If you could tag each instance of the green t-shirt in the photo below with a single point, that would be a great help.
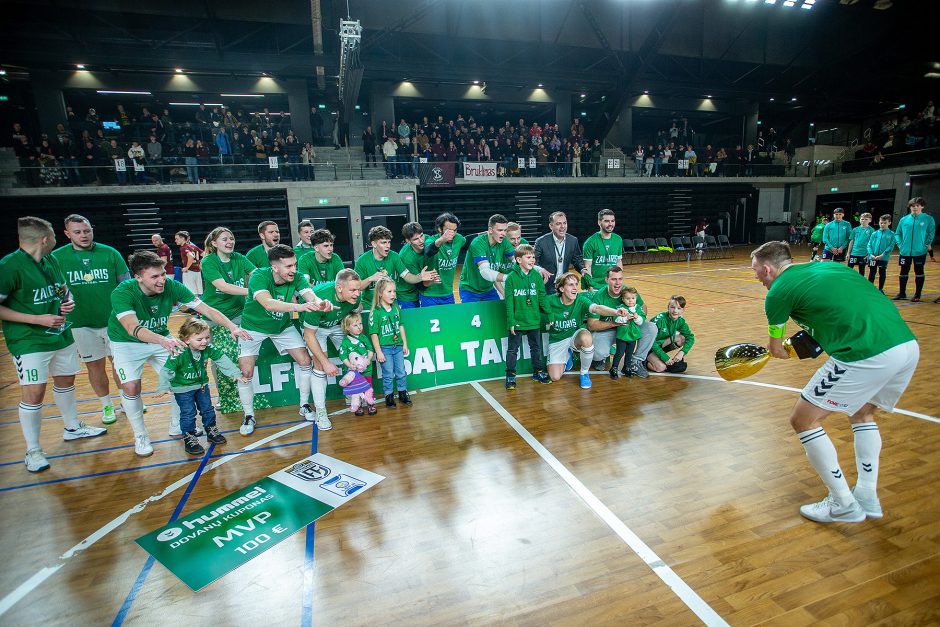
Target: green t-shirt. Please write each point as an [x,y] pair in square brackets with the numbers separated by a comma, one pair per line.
[602,253]
[153,312]
[301,250]
[881,242]
[632,330]
[566,319]
[367,265]
[445,262]
[480,250]
[363,346]
[328,319]
[257,318]
[603,297]
[525,299]
[233,272]
[841,310]
[187,370]
[91,276]
[860,237]
[667,329]
[316,272]
[258,256]
[836,234]
[414,262]
[386,323]
[817,233]
[37,289]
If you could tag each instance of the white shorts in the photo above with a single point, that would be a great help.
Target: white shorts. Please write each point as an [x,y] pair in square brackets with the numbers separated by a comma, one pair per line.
[35,368]
[130,357]
[334,333]
[92,344]
[284,341]
[558,351]
[880,380]
[193,280]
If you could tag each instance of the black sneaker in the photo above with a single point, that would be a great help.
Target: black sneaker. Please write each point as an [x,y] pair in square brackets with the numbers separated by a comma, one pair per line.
[614,374]
[390,401]
[901,296]
[214,435]
[510,382]
[192,445]
[404,398]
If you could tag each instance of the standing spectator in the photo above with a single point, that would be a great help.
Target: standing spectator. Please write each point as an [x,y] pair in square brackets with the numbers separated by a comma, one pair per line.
[190,256]
[189,158]
[389,152]
[202,157]
[638,159]
[136,156]
[576,160]
[558,250]
[292,156]
[307,158]
[155,155]
[116,154]
[316,123]
[224,144]
[164,253]
[789,151]
[368,146]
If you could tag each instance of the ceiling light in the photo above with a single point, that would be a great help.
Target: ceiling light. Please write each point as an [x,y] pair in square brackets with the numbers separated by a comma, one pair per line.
[541,85]
[932,75]
[807,4]
[771,99]
[793,99]
[80,66]
[770,1]
[476,82]
[584,95]
[708,96]
[129,93]
[789,3]
[3,72]
[242,95]
[646,91]
[179,70]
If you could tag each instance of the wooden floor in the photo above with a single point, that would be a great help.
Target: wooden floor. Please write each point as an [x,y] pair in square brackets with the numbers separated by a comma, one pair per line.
[473,526]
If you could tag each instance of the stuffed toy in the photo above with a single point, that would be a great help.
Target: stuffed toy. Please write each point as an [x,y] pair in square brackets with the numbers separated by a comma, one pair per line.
[357,387]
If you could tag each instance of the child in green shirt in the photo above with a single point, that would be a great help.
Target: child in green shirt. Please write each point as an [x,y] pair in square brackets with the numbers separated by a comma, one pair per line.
[627,333]
[525,299]
[673,334]
[357,357]
[389,341]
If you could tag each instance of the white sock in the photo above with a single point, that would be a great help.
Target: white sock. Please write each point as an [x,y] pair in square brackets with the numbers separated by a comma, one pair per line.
[246,395]
[867,453]
[106,402]
[65,400]
[30,421]
[318,389]
[303,383]
[134,410]
[822,455]
[587,356]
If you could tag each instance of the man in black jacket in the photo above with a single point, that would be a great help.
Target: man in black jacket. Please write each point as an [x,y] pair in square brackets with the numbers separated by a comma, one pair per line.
[557,251]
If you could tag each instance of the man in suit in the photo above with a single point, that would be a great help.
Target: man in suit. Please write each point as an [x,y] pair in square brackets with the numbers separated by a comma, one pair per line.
[557,251]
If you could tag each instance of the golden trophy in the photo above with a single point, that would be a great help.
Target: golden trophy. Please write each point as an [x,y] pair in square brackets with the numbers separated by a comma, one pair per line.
[739,361]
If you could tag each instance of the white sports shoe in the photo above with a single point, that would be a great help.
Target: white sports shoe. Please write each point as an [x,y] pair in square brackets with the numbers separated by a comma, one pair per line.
[36,460]
[827,510]
[307,412]
[142,445]
[82,431]
[323,421]
[871,506]
[248,426]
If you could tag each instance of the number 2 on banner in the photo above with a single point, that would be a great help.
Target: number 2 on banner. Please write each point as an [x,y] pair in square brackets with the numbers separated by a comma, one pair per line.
[476,321]
[435,326]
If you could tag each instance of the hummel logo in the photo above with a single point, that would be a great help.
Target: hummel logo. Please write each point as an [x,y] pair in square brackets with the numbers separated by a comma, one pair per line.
[818,393]
[838,370]
[836,473]
[826,386]
[831,378]
[866,467]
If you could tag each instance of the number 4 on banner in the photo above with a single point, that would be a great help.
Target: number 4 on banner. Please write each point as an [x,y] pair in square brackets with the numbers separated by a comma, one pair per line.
[476,321]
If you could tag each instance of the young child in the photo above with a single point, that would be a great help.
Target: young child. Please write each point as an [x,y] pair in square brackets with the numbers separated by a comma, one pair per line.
[880,245]
[627,333]
[357,357]
[673,333]
[815,238]
[388,338]
[858,243]
[186,375]
[525,298]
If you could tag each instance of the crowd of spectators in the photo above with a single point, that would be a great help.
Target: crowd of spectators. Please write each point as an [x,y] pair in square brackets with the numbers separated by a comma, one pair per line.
[900,133]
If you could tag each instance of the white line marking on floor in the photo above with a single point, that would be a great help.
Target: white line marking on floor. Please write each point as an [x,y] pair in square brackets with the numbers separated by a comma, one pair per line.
[641,276]
[669,577]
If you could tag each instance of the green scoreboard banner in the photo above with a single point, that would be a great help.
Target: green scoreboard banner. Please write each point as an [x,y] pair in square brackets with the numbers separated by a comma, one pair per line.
[448,344]
[210,542]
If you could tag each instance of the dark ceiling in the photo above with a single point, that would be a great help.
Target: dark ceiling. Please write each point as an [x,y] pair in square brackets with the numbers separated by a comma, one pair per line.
[842,60]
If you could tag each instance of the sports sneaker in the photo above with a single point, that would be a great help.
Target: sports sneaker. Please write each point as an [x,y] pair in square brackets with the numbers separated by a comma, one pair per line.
[614,374]
[542,377]
[600,366]
[570,363]
[585,381]
[323,421]
[36,460]
[901,296]
[82,431]
[827,510]
[404,398]
[638,369]
[871,506]
[307,412]
[108,416]
[192,445]
[142,445]
[510,382]
[248,426]
[215,436]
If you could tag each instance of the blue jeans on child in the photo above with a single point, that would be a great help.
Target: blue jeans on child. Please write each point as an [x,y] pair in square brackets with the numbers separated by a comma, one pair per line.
[393,369]
[189,402]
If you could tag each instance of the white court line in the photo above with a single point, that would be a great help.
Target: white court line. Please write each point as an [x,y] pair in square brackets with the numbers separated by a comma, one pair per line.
[640,276]
[688,596]
[36,580]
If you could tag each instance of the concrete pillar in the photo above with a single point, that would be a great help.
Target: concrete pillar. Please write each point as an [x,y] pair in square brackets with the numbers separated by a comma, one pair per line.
[563,115]
[382,106]
[750,129]
[299,103]
[50,103]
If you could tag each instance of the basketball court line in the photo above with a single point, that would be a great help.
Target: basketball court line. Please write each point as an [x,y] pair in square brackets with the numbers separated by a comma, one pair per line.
[681,589]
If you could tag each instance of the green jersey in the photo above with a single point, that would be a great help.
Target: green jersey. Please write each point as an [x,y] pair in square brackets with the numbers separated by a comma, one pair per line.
[257,318]
[367,265]
[603,297]
[817,233]
[525,298]
[386,323]
[234,272]
[414,262]
[860,238]
[836,234]
[667,329]
[316,272]
[258,256]
[881,242]
[301,250]
[153,312]
[444,260]
[187,370]
[481,250]
[508,264]
[602,253]
[566,319]
[632,330]
[838,308]
[915,234]
[91,276]
[32,288]
[328,319]
[361,346]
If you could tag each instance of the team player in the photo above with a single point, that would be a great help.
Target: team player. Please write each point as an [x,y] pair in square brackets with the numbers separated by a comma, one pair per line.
[92,271]
[872,356]
[270,237]
[858,243]
[525,301]
[880,245]
[381,261]
[412,256]
[914,236]
[305,245]
[137,328]
[267,315]
[480,277]
[601,250]
[835,237]
[322,265]
[34,304]
[442,252]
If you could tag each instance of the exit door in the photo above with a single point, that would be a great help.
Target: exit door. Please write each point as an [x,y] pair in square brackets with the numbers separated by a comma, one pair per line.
[336,221]
[393,217]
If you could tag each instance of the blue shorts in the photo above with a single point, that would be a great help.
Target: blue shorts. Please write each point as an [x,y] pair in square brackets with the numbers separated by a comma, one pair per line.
[467,296]
[432,301]
[408,304]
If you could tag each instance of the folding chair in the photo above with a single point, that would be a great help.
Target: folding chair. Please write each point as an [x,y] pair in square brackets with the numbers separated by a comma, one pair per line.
[661,243]
[725,244]
[629,252]
[639,248]
[698,245]
[712,246]
[680,249]
[652,249]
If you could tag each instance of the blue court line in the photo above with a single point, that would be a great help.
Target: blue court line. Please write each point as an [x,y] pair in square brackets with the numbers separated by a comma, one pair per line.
[139,582]
[123,470]
[306,613]
[123,446]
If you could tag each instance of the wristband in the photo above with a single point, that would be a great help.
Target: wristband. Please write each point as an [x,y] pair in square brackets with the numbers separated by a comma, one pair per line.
[137,330]
[777,330]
